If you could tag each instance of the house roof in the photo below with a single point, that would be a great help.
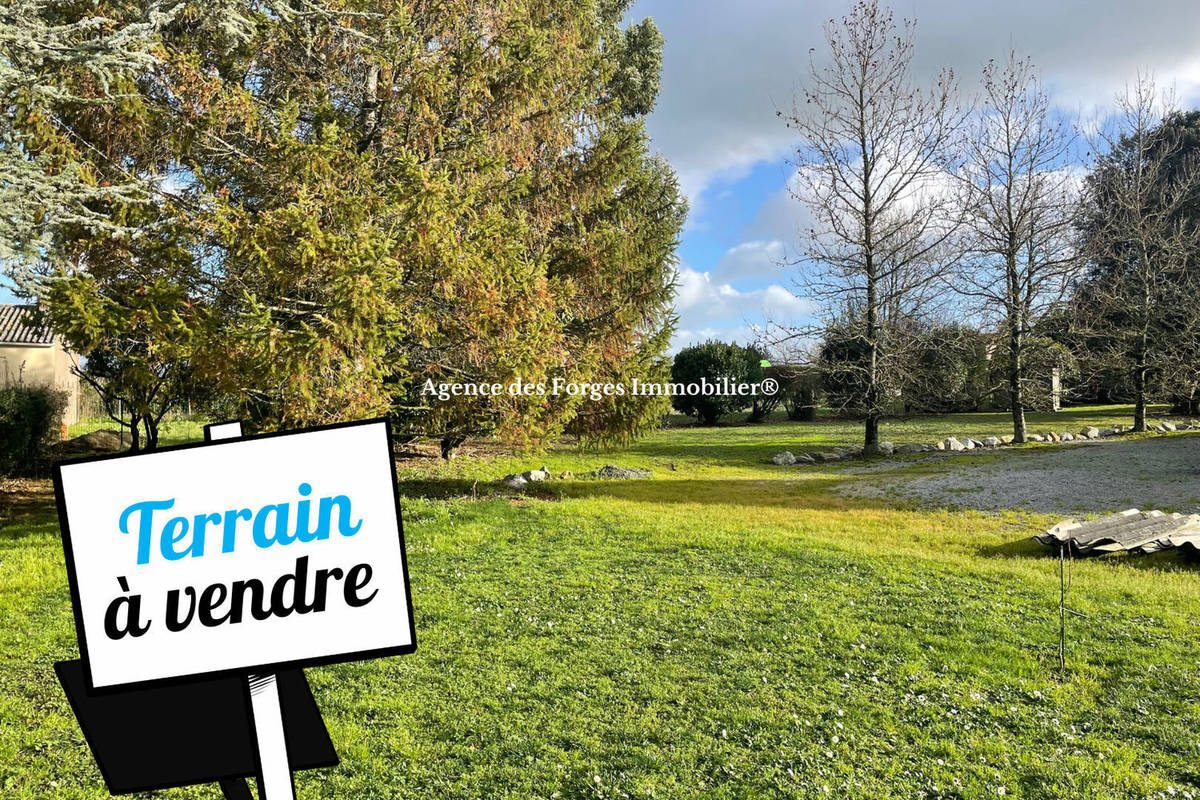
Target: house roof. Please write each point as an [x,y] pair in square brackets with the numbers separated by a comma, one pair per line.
[17,326]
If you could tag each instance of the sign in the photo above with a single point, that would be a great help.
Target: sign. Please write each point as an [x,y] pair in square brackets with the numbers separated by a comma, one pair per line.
[235,556]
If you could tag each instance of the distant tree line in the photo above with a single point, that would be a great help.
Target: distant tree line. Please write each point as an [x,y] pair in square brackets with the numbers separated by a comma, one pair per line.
[951,368]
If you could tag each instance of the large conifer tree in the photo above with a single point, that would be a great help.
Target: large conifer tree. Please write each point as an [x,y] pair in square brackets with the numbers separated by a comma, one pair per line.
[372,194]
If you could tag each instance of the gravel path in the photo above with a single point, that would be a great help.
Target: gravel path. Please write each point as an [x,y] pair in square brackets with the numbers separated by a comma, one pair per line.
[1093,476]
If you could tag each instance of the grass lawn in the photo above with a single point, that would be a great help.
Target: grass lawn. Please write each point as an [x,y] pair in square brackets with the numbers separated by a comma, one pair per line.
[726,629]
[175,431]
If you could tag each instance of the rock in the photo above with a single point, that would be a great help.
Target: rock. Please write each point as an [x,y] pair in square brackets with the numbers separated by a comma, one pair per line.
[843,452]
[805,458]
[1035,437]
[826,458]
[784,459]
[952,444]
[566,475]
[908,449]
[535,475]
[1090,432]
[939,445]
[1006,438]
[989,441]
[98,442]
[1169,426]
[1051,436]
[881,449]
[514,481]
[1067,437]
[620,473]
[1109,432]
[976,443]
[967,443]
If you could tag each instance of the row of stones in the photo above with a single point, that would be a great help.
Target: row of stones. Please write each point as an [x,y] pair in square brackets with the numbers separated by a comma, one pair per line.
[955,444]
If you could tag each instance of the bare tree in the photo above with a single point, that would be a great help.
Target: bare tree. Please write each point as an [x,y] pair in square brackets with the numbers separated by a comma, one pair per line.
[1021,209]
[872,167]
[1137,298]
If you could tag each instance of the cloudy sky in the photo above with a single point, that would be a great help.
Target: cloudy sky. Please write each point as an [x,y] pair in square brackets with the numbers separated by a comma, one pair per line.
[728,66]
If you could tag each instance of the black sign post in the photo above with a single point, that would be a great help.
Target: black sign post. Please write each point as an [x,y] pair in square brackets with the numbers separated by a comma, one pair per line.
[162,737]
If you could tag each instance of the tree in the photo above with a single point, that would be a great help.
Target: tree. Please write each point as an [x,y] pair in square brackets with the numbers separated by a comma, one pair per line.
[100,242]
[49,57]
[486,211]
[1019,200]
[800,386]
[872,166]
[763,404]
[714,361]
[138,340]
[366,197]
[1138,296]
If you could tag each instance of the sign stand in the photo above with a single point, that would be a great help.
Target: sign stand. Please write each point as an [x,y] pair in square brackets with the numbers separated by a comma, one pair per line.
[148,739]
[266,713]
[274,773]
[162,704]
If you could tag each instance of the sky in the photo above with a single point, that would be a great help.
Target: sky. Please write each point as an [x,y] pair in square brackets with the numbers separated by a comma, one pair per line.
[729,66]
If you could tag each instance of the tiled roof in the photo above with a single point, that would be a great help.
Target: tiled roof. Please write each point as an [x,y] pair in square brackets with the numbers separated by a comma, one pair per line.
[16,326]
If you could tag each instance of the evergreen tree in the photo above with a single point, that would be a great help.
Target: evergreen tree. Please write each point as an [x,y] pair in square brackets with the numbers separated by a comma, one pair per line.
[359,197]
[50,57]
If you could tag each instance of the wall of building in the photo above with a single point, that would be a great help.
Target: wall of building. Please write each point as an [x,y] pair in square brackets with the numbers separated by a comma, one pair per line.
[48,365]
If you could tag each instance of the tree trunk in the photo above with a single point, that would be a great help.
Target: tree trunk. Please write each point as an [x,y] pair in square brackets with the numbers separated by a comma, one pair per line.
[151,433]
[1139,375]
[1139,400]
[1016,323]
[135,439]
[369,113]
[1016,397]
[871,429]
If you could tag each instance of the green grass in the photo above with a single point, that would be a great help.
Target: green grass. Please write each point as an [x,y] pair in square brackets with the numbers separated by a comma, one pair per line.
[171,432]
[726,629]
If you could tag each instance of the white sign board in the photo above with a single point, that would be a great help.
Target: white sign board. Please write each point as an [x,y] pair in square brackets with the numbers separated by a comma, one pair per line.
[246,554]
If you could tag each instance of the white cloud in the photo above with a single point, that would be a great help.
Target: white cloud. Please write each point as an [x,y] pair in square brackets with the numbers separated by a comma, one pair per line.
[754,259]
[704,304]
[729,66]
[743,334]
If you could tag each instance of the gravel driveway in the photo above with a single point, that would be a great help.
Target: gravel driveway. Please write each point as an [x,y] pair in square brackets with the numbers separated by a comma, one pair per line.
[1093,476]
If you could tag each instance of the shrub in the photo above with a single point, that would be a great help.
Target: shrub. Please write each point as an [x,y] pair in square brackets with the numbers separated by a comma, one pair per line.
[799,387]
[840,360]
[29,420]
[714,361]
[948,370]
[1042,356]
